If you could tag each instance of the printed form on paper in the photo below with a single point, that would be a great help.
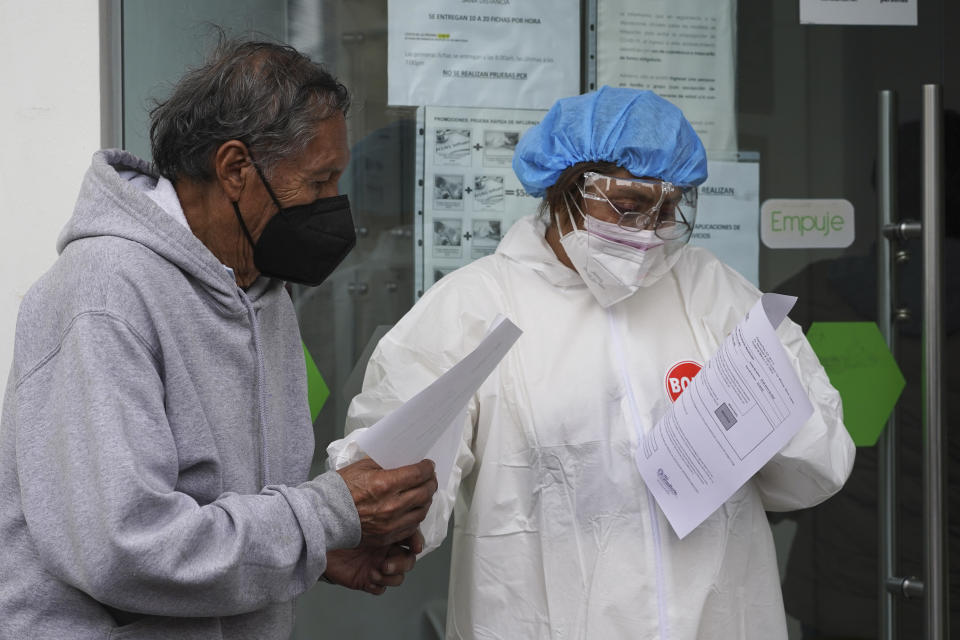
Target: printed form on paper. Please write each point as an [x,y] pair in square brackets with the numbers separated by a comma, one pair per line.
[735,415]
[430,424]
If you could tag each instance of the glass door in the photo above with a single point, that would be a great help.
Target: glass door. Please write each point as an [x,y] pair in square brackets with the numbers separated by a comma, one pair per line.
[801,100]
[342,320]
[808,101]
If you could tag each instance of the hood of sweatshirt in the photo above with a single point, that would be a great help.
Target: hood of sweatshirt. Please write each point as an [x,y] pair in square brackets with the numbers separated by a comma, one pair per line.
[111,205]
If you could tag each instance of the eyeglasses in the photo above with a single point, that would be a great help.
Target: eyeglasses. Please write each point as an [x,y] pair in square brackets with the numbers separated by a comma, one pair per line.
[639,204]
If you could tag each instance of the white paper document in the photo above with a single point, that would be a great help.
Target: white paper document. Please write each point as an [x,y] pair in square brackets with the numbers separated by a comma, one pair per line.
[483,53]
[728,216]
[683,50]
[879,12]
[471,196]
[735,415]
[430,424]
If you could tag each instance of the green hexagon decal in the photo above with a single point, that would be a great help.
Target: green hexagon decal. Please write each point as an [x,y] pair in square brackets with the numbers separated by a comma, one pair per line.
[860,366]
[317,390]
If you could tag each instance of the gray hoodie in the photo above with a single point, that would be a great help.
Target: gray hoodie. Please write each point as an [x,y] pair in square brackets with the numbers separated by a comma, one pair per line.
[156,440]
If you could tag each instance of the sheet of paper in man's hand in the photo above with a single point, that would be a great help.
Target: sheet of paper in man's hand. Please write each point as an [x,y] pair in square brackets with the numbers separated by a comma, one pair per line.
[735,415]
[430,424]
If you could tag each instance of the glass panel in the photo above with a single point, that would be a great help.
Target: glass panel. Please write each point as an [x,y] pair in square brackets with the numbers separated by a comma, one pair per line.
[342,319]
[373,287]
[806,101]
[161,40]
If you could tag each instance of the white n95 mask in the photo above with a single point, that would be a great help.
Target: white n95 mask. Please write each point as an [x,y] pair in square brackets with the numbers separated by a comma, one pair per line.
[615,263]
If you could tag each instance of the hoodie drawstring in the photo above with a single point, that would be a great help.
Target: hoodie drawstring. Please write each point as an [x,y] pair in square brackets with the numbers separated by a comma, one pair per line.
[261,401]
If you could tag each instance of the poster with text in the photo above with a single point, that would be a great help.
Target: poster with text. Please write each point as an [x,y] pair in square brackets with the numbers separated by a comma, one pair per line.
[728,216]
[483,53]
[683,50]
[878,12]
[471,196]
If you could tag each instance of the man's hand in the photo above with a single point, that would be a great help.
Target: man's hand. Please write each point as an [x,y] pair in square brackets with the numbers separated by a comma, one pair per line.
[391,503]
[373,569]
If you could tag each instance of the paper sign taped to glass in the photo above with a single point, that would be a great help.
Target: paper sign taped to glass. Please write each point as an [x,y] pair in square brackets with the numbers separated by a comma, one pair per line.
[430,424]
[736,414]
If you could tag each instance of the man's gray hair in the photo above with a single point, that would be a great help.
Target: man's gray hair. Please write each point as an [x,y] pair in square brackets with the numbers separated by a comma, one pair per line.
[269,96]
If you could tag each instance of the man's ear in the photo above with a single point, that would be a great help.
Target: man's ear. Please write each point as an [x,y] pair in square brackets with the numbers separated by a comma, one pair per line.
[231,162]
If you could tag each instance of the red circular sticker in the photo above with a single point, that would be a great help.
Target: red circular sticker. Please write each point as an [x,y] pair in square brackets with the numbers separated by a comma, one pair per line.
[679,377]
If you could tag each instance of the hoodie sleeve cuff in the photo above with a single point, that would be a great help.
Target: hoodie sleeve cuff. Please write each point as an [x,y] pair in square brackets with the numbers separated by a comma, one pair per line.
[338,514]
[327,516]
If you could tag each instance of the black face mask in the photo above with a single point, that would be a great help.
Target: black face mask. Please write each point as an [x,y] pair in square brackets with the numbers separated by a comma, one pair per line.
[305,243]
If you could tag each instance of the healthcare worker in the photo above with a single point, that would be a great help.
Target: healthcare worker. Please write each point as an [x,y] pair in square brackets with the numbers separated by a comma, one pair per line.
[555,533]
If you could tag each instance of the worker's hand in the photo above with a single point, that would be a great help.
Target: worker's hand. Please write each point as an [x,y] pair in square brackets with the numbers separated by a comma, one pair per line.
[373,569]
[391,503]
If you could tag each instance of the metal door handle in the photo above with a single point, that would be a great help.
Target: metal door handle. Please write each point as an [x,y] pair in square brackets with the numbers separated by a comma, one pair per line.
[906,588]
[902,230]
[935,579]
[886,446]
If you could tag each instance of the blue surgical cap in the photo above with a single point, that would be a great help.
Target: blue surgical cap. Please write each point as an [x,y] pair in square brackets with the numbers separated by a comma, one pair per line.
[637,130]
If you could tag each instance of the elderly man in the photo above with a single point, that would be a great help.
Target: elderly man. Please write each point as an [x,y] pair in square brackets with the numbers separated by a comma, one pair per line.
[155,438]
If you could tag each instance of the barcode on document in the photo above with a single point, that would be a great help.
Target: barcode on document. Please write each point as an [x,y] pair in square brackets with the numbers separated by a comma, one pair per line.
[725,416]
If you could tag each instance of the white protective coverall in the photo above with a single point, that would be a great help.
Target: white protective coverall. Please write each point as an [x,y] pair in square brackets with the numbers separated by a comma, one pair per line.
[555,534]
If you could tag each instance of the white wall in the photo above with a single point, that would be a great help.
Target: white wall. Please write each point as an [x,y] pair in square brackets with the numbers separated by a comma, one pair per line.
[50,119]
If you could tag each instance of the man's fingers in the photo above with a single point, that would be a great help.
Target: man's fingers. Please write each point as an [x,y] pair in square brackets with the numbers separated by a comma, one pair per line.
[391,503]
[413,544]
[407,525]
[419,497]
[414,500]
[422,491]
[416,542]
[398,563]
[401,524]
[412,475]
[398,534]
[391,581]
